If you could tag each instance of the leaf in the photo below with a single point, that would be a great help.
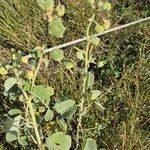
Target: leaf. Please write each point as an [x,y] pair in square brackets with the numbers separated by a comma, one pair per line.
[64,106]
[80,55]
[46,5]
[90,144]
[3,71]
[57,55]
[90,80]
[56,27]
[95,94]
[14,112]
[9,83]
[11,124]
[22,140]
[68,65]
[49,115]
[43,93]
[58,140]
[11,136]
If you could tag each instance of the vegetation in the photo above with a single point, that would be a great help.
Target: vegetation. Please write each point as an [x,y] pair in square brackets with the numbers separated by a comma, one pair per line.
[94,95]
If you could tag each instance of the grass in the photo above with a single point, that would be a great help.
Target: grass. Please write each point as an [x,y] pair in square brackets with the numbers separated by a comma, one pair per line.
[124,80]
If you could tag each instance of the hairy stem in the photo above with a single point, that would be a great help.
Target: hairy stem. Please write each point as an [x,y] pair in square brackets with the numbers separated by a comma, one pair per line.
[86,66]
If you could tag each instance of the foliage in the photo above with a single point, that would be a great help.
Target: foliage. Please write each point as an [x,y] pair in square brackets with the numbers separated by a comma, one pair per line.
[46,113]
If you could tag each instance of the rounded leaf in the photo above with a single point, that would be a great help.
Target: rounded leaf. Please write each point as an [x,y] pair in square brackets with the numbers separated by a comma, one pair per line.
[56,27]
[9,83]
[58,140]
[90,144]
[64,106]
[57,55]
[49,115]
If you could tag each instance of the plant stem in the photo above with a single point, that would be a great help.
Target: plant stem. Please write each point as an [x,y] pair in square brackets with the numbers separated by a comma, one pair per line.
[29,102]
[86,66]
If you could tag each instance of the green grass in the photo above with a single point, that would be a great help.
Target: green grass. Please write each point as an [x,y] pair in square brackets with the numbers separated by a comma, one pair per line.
[124,80]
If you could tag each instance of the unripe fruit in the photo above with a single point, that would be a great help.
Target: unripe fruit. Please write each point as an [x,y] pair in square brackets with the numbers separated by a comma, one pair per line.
[99,28]
[106,6]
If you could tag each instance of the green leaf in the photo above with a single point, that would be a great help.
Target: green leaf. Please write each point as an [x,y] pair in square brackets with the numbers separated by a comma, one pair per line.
[57,55]
[11,124]
[56,27]
[46,5]
[68,65]
[90,80]
[22,140]
[11,136]
[95,94]
[80,55]
[43,93]
[49,115]
[90,144]
[58,141]
[14,112]
[64,106]
[9,83]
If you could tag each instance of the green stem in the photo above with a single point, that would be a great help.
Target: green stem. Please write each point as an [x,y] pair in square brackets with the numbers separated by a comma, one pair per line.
[86,66]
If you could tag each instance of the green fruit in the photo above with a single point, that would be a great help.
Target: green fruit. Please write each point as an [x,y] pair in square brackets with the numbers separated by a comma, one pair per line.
[106,6]
[99,28]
